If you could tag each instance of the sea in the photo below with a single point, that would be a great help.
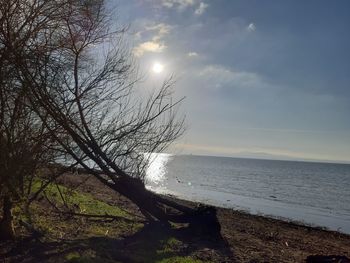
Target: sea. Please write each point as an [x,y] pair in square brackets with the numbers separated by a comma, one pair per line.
[311,193]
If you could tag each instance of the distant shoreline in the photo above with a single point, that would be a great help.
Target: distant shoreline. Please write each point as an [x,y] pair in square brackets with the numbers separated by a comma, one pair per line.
[270,158]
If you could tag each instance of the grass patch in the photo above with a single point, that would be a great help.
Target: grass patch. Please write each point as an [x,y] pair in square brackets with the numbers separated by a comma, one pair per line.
[170,248]
[161,250]
[54,225]
[97,239]
[72,256]
[80,202]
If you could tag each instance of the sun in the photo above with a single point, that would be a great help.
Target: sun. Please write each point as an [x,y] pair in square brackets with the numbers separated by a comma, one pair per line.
[157,68]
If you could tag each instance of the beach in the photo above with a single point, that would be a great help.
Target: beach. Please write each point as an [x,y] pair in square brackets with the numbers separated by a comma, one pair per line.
[243,237]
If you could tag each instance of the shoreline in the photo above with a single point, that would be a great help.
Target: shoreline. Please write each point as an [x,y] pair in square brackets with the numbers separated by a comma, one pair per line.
[261,238]
[242,237]
[303,215]
[306,194]
[264,239]
[250,211]
[259,214]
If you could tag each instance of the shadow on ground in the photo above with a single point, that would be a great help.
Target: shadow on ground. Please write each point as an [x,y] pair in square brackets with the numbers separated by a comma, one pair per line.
[155,242]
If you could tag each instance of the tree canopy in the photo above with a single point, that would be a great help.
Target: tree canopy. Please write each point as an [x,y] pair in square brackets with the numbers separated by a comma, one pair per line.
[68,95]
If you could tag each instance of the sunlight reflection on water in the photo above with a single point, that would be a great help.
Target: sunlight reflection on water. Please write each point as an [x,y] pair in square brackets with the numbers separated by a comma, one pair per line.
[156,171]
[313,193]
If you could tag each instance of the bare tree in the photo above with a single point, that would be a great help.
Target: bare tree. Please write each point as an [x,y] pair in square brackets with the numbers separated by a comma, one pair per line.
[26,144]
[82,79]
[25,148]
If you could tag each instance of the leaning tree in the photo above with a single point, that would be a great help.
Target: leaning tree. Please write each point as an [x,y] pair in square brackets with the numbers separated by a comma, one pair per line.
[82,78]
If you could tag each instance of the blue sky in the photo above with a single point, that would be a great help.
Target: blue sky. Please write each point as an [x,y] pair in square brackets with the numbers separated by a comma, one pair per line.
[266,79]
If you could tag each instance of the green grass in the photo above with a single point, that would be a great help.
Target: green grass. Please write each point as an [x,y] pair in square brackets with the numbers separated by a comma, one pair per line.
[159,247]
[167,254]
[165,249]
[82,202]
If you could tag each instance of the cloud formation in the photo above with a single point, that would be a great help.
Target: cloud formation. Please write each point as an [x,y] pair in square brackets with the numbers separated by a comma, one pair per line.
[149,46]
[155,44]
[217,76]
[192,54]
[251,72]
[181,4]
[251,27]
[201,8]
[160,29]
[184,4]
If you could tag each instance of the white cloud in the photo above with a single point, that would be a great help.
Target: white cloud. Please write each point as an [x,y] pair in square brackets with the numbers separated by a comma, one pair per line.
[148,29]
[251,27]
[161,29]
[192,54]
[155,34]
[149,46]
[180,4]
[183,4]
[217,76]
[201,8]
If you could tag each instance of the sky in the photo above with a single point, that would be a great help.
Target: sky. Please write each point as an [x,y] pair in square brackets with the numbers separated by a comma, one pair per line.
[262,79]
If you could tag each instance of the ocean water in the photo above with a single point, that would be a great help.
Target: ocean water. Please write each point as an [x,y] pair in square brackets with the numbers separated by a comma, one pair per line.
[316,194]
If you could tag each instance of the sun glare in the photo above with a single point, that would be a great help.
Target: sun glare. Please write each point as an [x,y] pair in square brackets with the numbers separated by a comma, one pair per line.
[157,68]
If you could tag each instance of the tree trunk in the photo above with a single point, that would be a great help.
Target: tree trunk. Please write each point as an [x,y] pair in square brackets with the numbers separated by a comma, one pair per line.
[152,205]
[6,224]
[202,220]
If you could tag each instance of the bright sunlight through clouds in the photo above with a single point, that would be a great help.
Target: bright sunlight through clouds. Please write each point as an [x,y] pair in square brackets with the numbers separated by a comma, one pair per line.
[157,68]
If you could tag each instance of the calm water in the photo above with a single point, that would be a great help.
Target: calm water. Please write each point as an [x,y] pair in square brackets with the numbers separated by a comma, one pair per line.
[313,193]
